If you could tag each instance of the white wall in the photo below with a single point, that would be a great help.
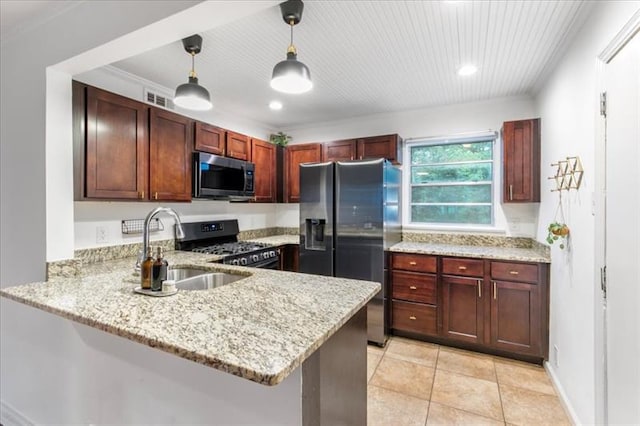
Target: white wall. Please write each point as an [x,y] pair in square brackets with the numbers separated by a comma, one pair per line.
[439,121]
[568,106]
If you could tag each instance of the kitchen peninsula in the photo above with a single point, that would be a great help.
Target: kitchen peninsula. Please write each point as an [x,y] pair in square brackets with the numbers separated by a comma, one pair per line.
[294,345]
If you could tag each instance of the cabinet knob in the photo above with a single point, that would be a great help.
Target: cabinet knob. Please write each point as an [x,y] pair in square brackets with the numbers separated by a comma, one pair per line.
[462,268]
[412,263]
[413,287]
[513,272]
[412,318]
[141,195]
[155,195]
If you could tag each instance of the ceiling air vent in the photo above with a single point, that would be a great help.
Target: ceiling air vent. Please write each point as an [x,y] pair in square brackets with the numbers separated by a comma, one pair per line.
[158,99]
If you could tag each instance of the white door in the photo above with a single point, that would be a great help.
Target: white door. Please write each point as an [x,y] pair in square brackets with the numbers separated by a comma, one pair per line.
[622,235]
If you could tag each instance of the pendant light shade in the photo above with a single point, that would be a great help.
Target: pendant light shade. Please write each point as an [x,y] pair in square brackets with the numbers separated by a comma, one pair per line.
[191,95]
[291,75]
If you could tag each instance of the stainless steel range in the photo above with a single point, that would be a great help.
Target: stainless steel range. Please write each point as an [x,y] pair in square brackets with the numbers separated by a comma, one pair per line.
[220,238]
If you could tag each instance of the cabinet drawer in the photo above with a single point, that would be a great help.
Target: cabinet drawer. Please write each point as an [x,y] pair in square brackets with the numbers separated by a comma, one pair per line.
[414,287]
[414,262]
[414,317]
[465,267]
[514,271]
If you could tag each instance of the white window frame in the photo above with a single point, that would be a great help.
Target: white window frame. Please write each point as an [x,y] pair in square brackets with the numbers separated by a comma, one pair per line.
[441,140]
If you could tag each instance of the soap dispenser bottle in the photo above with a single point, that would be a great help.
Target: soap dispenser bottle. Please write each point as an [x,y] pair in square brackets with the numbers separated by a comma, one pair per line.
[159,271]
[146,270]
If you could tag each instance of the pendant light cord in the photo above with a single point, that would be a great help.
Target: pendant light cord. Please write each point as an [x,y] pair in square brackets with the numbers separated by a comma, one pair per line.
[193,65]
[292,48]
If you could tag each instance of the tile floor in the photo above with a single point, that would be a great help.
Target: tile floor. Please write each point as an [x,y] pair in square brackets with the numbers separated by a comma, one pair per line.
[418,383]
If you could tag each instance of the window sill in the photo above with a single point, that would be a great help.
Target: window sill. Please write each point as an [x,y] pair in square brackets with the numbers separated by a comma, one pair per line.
[455,228]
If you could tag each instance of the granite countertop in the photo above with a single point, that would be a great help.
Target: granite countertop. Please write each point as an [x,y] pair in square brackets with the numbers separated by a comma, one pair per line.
[260,328]
[277,240]
[481,252]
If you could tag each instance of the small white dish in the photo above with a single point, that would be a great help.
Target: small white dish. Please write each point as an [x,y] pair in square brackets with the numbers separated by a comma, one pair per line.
[155,293]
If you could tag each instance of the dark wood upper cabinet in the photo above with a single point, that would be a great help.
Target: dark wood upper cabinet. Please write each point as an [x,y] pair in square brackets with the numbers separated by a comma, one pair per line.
[339,150]
[170,156]
[238,146]
[296,155]
[521,161]
[387,146]
[209,138]
[263,155]
[116,145]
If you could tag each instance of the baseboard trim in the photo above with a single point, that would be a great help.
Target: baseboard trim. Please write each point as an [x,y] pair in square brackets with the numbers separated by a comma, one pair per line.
[564,399]
[9,416]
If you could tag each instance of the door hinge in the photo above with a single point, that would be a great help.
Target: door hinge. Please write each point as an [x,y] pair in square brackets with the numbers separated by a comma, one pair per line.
[603,281]
[603,104]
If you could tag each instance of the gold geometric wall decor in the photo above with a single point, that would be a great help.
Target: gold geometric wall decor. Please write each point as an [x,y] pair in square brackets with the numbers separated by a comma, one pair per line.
[568,174]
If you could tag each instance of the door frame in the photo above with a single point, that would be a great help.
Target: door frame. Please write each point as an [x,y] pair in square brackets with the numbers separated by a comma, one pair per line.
[619,41]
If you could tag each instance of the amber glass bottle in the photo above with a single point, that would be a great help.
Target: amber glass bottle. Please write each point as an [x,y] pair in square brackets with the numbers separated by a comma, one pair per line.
[146,269]
[159,271]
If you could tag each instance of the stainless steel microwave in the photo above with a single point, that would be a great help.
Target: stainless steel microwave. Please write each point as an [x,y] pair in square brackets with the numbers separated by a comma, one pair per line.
[222,178]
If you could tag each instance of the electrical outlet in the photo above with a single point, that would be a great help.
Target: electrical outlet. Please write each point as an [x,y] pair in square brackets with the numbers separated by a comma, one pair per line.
[556,356]
[102,234]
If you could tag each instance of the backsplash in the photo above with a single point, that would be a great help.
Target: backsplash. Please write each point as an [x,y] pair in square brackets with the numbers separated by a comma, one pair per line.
[467,239]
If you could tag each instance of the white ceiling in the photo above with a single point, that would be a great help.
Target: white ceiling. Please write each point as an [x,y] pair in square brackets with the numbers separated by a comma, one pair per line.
[17,16]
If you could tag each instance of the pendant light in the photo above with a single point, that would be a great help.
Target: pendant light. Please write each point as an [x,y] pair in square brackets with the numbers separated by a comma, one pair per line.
[191,95]
[291,75]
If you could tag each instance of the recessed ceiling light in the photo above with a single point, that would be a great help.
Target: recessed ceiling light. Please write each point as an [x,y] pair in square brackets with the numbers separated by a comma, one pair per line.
[275,105]
[466,70]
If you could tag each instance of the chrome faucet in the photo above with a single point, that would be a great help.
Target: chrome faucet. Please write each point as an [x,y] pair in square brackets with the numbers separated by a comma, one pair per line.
[147,222]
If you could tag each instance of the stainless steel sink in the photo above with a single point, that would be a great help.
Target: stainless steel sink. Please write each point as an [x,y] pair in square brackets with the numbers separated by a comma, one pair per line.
[180,274]
[197,279]
[207,281]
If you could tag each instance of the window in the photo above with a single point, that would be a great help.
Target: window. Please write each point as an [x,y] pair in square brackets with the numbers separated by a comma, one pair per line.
[451,182]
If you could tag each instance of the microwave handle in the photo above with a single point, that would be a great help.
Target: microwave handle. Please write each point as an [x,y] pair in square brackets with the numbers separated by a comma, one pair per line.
[244,176]
[196,177]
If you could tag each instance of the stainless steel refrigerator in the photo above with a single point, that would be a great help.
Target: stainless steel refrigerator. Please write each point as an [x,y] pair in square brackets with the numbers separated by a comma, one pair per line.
[349,217]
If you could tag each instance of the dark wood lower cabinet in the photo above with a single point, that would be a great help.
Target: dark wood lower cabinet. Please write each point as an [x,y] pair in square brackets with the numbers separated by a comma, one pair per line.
[515,317]
[414,317]
[289,257]
[500,307]
[462,309]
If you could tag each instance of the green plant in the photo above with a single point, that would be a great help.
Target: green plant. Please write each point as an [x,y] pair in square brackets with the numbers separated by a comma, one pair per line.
[280,138]
[556,231]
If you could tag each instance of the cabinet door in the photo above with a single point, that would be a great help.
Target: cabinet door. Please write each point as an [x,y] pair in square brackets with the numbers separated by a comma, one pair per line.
[209,138]
[263,154]
[170,156]
[462,309]
[515,317]
[521,161]
[289,257]
[380,147]
[296,155]
[116,146]
[339,150]
[237,146]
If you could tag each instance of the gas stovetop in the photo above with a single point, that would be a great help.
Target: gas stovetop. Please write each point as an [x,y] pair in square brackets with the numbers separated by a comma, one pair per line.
[220,238]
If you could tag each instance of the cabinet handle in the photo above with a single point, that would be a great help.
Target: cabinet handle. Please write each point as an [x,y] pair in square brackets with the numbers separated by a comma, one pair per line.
[141,194]
[360,157]
[510,192]
[462,268]
[413,287]
[495,291]
[513,272]
[412,318]
[412,263]
[480,289]
[155,195]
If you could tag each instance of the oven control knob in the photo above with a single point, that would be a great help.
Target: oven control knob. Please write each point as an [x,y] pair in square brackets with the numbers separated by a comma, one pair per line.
[272,253]
[255,258]
[243,261]
[234,262]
